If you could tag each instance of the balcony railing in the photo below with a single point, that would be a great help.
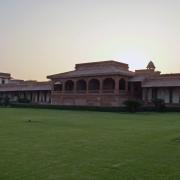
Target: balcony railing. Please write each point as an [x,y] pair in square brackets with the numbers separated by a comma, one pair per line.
[88,91]
[122,92]
[108,91]
[81,91]
[68,91]
[57,92]
[93,91]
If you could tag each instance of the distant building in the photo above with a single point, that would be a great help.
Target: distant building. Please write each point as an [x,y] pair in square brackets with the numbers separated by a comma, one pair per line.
[105,83]
[4,78]
[20,90]
[110,83]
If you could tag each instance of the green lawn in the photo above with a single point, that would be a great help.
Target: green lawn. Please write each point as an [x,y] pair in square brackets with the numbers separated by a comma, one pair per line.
[75,145]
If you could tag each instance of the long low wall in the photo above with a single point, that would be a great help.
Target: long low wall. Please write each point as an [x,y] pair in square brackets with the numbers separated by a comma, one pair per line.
[169,108]
[108,100]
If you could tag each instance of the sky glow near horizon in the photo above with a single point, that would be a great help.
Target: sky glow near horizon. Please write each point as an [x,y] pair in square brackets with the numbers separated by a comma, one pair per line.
[44,37]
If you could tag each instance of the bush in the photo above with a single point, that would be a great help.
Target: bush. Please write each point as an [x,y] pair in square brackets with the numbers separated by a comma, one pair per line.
[63,107]
[132,105]
[5,101]
[23,100]
[1,101]
[159,105]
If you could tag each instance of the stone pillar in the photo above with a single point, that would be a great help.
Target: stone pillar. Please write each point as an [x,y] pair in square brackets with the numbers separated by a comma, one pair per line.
[145,94]
[126,88]
[87,83]
[63,86]
[170,95]
[101,86]
[43,96]
[75,86]
[116,91]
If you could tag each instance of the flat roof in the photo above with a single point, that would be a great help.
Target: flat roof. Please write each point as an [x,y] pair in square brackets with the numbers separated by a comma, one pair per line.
[5,75]
[102,68]
[38,86]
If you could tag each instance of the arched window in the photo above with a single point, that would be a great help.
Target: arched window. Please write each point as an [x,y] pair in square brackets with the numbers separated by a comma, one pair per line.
[58,86]
[94,84]
[81,85]
[122,84]
[108,84]
[69,85]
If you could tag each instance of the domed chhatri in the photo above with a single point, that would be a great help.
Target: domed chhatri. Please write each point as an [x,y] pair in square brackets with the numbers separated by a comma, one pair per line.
[151,66]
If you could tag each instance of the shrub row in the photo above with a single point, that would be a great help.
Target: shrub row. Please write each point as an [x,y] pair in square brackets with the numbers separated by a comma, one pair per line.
[93,108]
[85,108]
[129,106]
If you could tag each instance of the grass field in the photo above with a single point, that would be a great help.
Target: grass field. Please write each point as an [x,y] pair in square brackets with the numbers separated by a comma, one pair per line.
[74,145]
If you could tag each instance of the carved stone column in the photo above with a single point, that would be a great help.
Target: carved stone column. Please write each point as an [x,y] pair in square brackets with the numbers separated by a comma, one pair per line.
[75,86]
[126,88]
[63,86]
[87,82]
[170,95]
[146,95]
[101,85]
[116,85]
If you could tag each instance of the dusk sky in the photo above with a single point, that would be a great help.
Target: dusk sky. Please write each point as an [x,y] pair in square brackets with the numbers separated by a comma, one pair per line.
[44,37]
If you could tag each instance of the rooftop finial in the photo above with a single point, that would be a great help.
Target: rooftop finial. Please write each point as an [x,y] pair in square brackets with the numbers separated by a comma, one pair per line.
[151,66]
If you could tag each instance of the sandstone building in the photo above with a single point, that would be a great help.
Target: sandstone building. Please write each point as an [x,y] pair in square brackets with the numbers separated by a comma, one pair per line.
[32,91]
[105,83]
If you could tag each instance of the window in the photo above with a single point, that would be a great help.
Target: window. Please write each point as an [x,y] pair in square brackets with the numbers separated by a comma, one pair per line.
[58,86]
[94,84]
[108,84]
[69,85]
[81,85]
[122,84]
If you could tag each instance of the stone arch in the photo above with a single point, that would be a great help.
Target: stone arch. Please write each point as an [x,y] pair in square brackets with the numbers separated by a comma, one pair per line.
[122,84]
[94,84]
[58,86]
[108,84]
[81,85]
[69,85]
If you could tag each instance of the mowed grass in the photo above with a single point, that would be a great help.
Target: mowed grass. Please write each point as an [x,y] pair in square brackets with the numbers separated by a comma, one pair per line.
[82,145]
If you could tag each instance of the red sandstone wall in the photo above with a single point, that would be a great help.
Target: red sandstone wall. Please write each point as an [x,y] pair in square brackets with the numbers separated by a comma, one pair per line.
[89,100]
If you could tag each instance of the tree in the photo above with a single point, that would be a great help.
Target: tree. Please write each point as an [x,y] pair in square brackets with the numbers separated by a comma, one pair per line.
[159,105]
[132,105]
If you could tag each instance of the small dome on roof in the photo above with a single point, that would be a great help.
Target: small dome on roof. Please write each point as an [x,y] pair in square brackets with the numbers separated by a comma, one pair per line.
[151,65]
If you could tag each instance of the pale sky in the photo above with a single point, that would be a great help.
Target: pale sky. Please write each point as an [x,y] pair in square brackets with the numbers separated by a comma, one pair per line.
[44,37]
